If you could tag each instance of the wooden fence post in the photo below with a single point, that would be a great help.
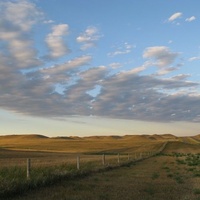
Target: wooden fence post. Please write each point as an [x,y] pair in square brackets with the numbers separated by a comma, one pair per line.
[103,159]
[135,156]
[28,171]
[128,156]
[78,162]
[118,158]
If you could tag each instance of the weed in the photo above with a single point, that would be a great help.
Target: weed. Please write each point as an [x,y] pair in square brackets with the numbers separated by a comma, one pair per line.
[170,175]
[165,167]
[196,174]
[196,191]
[96,179]
[190,169]
[180,161]
[104,197]
[155,175]
[179,179]
[150,191]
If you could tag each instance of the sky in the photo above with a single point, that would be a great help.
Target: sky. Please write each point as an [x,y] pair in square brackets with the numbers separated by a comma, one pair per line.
[99,67]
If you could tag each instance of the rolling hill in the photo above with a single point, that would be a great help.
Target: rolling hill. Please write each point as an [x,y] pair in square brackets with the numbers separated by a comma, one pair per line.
[113,143]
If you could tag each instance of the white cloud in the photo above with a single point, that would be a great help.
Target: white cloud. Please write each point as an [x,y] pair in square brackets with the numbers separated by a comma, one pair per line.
[88,38]
[112,95]
[190,19]
[141,68]
[115,65]
[164,71]
[74,63]
[125,49]
[55,41]
[175,16]
[21,13]
[161,54]
[48,21]
[194,58]
[17,21]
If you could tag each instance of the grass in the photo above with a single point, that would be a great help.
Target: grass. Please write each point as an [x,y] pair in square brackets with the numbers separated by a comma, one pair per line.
[196,191]
[134,182]
[14,180]
[175,174]
[155,175]
[110,144]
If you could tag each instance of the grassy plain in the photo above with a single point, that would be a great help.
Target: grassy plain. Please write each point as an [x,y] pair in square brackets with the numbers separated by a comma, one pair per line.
[168,176]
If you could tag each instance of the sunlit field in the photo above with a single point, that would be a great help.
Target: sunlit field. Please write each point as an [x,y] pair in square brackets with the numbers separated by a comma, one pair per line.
[68,168]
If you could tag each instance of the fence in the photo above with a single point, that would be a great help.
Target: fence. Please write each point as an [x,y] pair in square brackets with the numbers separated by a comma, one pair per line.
[41,169]
[100,161]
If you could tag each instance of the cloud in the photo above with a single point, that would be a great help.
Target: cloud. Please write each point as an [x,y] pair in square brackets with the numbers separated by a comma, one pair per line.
[75,87]
[63,73]
[190,19]
[88,38]
[17,21]
[69,65]
[94,75]
[55,41]
[48,21]
[161,54]
[115,65]
[143,95]
[164,71]
[141,68]
[194,58]
[23,14]
[175,16]
[125,49]
[181,77]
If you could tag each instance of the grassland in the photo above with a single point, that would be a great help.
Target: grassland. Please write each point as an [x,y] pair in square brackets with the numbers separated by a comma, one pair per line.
[175,172]
[157,178]
[135,143]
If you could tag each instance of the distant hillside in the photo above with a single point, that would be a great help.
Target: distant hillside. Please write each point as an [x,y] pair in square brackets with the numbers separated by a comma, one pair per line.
[23,137]
[112,143]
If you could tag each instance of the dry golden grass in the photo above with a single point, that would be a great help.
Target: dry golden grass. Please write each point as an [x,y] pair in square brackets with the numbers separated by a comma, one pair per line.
[15,149]
[82,145]
[182,147]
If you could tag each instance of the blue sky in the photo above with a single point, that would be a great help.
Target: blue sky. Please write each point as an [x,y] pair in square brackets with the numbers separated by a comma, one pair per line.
[95,67]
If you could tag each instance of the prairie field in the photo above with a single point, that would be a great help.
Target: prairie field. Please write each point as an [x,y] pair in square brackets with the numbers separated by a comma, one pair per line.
[112,167]
[157,178]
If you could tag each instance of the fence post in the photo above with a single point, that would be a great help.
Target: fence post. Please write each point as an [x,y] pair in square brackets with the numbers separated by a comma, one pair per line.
[118,158]
[135,156]
[141,155]
[103,159]
[78,162]
[28,168]
[128,156]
